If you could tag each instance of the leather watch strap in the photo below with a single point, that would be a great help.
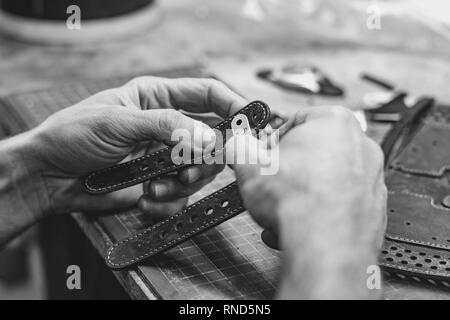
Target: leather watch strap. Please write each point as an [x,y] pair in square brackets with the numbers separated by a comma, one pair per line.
[159,163]
[198,217]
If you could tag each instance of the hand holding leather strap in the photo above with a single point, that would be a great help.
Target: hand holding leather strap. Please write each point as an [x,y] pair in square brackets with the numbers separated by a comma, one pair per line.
[197,218]
[159,163]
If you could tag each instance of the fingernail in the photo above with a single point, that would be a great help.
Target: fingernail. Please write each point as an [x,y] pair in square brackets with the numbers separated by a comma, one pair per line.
[203,136]
[209,136]
[160,190]
[193,174]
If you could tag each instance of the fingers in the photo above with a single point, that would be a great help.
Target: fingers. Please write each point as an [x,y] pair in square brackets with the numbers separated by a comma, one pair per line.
[243,152]
[167,125]
[169,195]
[195,173]
[114,201]
[312,114]
[190,94]
[170,188]
[165,196]
[161,209]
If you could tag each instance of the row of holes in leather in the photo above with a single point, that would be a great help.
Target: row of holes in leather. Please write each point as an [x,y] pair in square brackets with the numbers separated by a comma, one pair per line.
[416,259]
[417,278]
[159,163]
[207,212]
[409,224]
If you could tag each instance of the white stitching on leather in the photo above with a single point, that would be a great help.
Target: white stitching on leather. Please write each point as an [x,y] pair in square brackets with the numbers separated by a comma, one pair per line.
[407,240]
[424,196]
[399,165]
[165,245]
[421,271]
[142,178]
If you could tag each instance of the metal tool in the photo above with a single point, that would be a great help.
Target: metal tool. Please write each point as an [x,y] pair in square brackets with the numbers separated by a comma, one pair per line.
[303,79]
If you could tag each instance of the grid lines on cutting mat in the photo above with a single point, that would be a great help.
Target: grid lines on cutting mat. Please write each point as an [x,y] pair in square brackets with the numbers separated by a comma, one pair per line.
[229,261]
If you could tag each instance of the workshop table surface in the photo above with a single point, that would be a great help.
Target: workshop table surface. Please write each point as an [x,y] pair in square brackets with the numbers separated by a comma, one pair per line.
[218,35]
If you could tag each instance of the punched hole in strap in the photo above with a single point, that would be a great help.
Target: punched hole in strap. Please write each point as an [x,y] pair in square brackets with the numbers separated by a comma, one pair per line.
[160,162]
[163,234]
[209,211]
[145,167]
[178,226]
[224,203]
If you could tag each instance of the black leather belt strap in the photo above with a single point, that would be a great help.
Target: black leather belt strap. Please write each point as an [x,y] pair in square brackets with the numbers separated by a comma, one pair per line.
[159,163]
[196,218]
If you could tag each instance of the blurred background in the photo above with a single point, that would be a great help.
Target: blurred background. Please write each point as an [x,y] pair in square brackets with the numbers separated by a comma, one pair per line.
[405,42]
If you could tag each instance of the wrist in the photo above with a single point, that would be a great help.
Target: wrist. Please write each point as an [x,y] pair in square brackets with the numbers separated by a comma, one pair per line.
[23,189]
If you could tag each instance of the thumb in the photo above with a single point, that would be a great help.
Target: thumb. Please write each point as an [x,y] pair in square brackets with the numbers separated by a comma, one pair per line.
[245,153]
[162,124]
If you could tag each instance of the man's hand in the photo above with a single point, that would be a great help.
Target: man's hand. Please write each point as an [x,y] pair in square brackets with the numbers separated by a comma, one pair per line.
[325,206]
[109,127]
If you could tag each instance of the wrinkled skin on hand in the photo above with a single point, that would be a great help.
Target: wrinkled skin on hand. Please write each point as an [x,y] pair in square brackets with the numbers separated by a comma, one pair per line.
[326,203]
[120,124]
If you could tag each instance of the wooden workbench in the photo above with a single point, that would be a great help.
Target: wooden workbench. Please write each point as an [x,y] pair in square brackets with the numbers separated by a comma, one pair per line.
[215,34]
